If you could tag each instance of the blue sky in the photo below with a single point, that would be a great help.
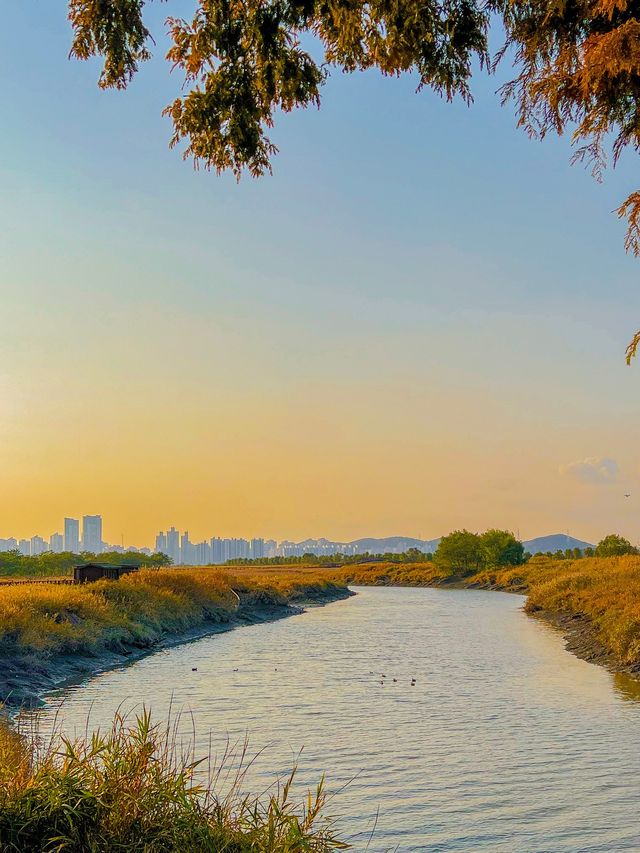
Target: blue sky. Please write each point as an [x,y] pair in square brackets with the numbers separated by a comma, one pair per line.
[417,282]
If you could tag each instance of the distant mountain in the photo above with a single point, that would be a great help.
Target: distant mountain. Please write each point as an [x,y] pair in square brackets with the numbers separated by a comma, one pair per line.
[393,545]
[399,544]
[555,542]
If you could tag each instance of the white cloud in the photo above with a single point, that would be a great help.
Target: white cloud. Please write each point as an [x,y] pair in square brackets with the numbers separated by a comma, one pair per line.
[594,469]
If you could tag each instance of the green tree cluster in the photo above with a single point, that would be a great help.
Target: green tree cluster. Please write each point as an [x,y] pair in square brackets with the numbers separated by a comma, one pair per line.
[463,552]
[614,546]
[13,563]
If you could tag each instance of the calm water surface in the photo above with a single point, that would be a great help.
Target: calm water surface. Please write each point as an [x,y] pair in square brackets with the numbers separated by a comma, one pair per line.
[505,743]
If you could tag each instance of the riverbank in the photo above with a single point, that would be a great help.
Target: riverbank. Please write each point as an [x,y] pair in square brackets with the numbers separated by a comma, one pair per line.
[54,635]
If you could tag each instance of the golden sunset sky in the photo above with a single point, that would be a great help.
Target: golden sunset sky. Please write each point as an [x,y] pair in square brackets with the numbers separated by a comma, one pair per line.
[417,324]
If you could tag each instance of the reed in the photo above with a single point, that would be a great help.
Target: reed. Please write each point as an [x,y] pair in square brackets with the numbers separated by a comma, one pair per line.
[136,788]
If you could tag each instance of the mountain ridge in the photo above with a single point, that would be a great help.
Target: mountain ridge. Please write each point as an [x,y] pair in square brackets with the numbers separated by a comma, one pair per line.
[398,544]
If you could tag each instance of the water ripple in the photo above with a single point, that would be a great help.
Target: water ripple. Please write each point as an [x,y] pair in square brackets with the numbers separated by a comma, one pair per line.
[504,743]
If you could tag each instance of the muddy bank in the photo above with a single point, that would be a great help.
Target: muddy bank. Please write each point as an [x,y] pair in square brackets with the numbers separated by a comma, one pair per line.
[580,634]
[581,639]
[24,679]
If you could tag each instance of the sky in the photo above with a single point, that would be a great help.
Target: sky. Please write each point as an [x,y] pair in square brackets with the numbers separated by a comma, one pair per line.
[416,324]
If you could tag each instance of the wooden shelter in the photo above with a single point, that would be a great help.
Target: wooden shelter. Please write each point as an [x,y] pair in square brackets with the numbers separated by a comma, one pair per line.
[90,572]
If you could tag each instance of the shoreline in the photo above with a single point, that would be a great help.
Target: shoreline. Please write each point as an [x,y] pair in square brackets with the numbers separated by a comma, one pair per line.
[581,640]
[25,680]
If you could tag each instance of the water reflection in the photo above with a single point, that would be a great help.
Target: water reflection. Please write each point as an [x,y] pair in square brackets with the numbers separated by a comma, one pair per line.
[504,742]
[626,686]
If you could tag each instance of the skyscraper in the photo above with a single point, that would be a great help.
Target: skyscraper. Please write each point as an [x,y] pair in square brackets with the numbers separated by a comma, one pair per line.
[216,550]
[161,543]
[187,550]
[56,543]
[38,546]
[173,545]
[202,554]
[92,533]
[72,535]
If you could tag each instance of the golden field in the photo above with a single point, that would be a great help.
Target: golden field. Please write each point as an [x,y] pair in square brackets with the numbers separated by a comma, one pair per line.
[143,606]
[138,610]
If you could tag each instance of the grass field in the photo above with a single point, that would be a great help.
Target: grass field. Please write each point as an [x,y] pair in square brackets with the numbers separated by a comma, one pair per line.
[143,606]
[47,619]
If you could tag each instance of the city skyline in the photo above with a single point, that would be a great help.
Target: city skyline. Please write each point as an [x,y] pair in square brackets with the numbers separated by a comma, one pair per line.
[173,542]
[216,549]
[71,540]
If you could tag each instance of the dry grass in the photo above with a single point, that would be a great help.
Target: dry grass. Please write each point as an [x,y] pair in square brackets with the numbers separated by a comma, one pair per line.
[604,589]
[134,788]
[364,574]
[137,610]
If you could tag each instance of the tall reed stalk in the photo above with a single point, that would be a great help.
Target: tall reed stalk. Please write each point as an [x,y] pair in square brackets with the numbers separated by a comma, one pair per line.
[137,788]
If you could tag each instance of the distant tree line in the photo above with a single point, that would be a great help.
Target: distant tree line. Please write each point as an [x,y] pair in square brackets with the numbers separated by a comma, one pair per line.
[52,565]
[612,545]
[412,555]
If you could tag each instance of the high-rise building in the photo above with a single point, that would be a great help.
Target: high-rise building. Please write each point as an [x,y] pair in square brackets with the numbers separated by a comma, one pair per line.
[56,543]
[203,554]
[187,550]
[216,550]
[72,535]
[24,546]
[257,549]
[38,546]
[92,533]
[173,545]
[10,544]
[161,543]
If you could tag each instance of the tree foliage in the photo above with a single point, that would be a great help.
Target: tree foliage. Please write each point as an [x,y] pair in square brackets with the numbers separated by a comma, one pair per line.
[412,555]
[577,66]
[614,546]
[501,548]
[460,553]
[243,59]
[13,563]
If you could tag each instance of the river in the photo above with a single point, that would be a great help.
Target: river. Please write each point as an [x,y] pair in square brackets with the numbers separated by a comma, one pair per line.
[506,742]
